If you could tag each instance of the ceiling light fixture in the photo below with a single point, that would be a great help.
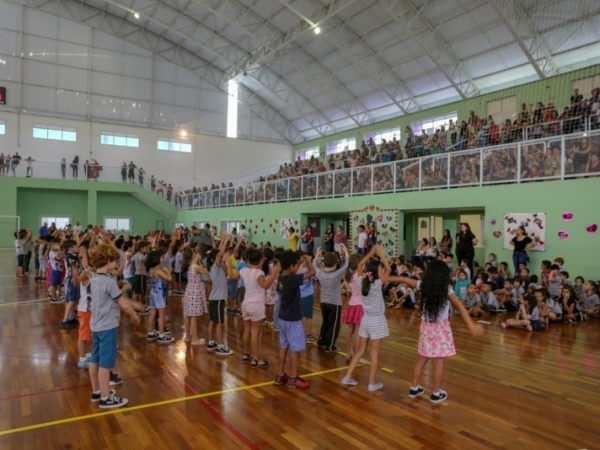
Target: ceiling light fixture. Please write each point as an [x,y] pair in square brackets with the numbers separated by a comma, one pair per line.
[136,15]
[317,30]
[183,133]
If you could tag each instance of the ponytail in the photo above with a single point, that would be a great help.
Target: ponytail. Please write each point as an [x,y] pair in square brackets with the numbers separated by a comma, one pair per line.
[371,274]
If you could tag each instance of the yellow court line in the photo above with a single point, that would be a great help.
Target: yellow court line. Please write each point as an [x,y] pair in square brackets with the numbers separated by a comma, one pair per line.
[25,302]
[152,405]
[385,369]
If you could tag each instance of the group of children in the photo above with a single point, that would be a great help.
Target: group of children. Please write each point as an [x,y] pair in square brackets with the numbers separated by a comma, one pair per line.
[277,285]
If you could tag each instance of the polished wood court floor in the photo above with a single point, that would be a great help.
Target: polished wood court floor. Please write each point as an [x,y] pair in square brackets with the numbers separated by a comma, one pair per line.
[509,389]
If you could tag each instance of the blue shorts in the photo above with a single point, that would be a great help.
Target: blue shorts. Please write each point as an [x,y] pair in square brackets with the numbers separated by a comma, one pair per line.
[157,300]
[72,293]
[537,325]
[104,348]
[231,288]
[291,335]
[306,306]
[55,276]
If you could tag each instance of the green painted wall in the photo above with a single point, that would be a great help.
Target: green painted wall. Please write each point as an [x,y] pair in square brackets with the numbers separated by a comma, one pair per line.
[32,203]
[580,250]
[558,89]
[123,204]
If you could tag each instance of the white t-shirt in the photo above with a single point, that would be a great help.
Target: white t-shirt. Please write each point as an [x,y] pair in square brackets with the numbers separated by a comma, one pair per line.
[362,239]
[444,312]
[254,291]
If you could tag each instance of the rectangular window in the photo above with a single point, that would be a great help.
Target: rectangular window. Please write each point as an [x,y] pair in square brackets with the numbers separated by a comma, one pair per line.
[379,136]
[174,145]
[59,222]
[229,225]
[306,153]
[232,108]
[2,127]
[55,133]
[119,139]
[502,109]
[341,145]
[117,223]
[433,123]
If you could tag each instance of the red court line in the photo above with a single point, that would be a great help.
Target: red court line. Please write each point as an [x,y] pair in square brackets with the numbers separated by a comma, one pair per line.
[216,415]
[79,386]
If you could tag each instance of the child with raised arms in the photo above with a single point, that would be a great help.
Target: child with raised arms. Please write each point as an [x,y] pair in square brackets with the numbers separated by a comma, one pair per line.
[435,336]
[194,298]
[268,266]
[372,275]
[158,303]
[354,311]
[291,333]
[253,307]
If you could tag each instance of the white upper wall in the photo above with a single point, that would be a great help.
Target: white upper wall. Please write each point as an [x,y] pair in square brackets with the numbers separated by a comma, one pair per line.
[58,68]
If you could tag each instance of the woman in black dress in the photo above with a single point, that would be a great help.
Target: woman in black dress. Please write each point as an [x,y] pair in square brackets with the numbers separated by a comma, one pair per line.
[329,235]
[465,245]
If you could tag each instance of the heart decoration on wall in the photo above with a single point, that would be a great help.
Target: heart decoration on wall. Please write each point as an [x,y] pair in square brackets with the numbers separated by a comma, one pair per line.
[567,216]
[592,228]
[492,222]
[497,234]
[563,235]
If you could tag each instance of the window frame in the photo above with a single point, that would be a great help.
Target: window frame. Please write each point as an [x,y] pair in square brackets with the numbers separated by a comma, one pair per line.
[306,153]
[112,135]
[341,142]
[2,127]
[419,125]
[49,219]
[378,135]
[118,228]
[172,143]
[54,132]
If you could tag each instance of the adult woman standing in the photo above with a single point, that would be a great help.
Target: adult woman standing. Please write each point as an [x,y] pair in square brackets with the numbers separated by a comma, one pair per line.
[310,240]
[465,242]
[339,238]
[329,237]
[521,243]
[75,166]
[446,243]
[303,239]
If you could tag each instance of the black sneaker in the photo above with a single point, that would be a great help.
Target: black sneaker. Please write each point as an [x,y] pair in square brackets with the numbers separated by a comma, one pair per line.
[223,351]
[165,339]
[414,393]
[112,402]
[96,397]
[166,331]
[443,395]
[151,337]
[115,380]
[212,346]
[68,325]
[333,349]
[56,301]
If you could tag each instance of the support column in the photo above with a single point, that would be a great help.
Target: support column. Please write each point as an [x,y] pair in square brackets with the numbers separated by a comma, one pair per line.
[92,208]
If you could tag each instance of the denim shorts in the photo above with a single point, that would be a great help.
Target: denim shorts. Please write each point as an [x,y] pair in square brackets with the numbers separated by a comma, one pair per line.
[291,335]
[306,306]
[55,277]
[104,348]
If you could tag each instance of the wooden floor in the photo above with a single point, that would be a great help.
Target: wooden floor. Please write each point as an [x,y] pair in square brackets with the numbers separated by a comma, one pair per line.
[509,389]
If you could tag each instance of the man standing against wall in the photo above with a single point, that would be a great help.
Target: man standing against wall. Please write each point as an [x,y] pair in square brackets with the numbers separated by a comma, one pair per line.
[202,236]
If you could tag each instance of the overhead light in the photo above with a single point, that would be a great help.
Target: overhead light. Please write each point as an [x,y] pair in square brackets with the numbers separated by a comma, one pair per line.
[136,15]
[183,133]
[317,30]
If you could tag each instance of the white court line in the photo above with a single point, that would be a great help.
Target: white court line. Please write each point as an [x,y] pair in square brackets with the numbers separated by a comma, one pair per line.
[25,302]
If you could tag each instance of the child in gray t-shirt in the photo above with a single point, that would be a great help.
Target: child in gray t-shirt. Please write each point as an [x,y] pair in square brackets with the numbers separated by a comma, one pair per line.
[107,302]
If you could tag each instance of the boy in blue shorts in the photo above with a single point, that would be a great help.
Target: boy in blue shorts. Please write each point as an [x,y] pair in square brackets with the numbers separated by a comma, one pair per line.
[107,302]
[55,261]
[291,334]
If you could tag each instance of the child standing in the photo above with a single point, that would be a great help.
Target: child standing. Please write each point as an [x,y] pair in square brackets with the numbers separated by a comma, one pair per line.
[71,282]
[157,299]
[372,275]
[140,274]
[107,302]
[306,303]
[253,307]
[84,313]
[216,298]
[354,312]
[271,293]
[291,334]
[330,279]
[194,299]
[55,261]
[435,337]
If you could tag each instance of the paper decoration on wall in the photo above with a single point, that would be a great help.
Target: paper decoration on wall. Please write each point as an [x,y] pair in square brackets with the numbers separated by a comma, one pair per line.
[567,216]
[284,227]
[497,234]
[492,222]
[563,235]
[535,227]
[387,225]
[592,228]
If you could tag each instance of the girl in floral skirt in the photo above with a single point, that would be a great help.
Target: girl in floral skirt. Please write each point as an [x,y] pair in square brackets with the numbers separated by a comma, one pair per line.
[354,311]
[435,335]
[194,299]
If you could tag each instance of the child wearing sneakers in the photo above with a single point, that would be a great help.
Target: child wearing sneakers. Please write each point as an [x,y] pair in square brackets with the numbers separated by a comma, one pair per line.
[330,279]
[55,262]
[107,303]
[291,334]
[307,303]
[216,298]
[140,273]
[253,308]
[435,337]
[84,313]
[71,282]
[157,299]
